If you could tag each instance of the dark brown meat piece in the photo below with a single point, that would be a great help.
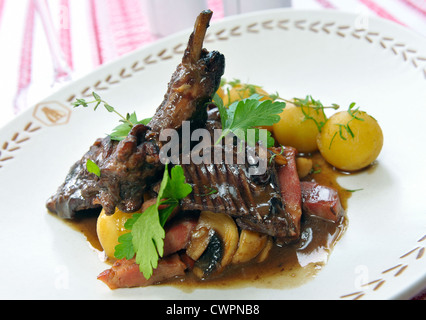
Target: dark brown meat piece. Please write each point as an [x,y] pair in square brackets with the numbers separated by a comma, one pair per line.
[193,84]
[126,167]
[255,201]
[78,192]
[130,166]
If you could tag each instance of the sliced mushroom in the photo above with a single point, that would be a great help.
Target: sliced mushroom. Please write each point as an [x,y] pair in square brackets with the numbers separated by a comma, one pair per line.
[210,260]
[250,245]
[200,239]
[263,255]
[211,225]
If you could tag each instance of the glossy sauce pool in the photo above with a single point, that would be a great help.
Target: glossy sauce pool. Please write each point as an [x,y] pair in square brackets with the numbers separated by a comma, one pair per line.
[287,266]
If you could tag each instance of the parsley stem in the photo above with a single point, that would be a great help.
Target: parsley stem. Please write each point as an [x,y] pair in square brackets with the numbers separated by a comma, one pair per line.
[223,135]
[98,100]
[124,119]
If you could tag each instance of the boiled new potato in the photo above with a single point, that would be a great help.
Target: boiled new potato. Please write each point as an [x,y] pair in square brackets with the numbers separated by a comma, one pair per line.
[239,91]
[351,140]
[110,228]
[298,129]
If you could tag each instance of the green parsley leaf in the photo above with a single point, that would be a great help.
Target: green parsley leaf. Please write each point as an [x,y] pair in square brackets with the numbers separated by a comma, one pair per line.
[146,238]
[249,114]
[175,187]
[125,249]
[93,168]
[122,131]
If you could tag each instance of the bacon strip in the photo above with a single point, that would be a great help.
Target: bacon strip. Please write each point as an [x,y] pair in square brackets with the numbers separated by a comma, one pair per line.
[321,201]
[126,273]
[290,188]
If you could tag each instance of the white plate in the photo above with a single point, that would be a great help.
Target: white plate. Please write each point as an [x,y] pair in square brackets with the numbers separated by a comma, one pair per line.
[335,57]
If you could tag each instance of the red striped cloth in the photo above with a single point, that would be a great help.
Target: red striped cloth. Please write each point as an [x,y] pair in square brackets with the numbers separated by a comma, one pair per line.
[24,79]
[372,5]
[417,5]
[379,10]
[1,8]
[326,4]
[119,27]
[217,7]
[65,32]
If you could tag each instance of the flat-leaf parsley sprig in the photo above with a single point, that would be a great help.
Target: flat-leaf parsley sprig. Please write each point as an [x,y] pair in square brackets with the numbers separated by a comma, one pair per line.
[306,104]
[146,236]
[249,113]
[128,122]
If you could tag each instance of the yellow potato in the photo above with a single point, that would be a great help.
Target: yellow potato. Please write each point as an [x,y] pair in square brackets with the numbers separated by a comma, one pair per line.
[239,92]
[297,129]
[354,148]
[110,228]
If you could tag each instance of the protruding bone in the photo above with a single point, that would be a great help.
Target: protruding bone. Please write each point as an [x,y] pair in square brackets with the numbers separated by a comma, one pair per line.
[196,40]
